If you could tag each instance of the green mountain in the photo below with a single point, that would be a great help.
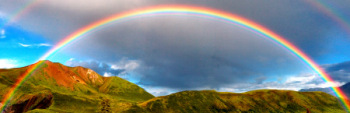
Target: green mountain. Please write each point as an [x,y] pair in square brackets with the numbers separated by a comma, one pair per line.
[53,87]
[69,89]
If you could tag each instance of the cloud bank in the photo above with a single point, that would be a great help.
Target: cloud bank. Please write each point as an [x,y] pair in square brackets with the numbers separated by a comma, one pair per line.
[7,63]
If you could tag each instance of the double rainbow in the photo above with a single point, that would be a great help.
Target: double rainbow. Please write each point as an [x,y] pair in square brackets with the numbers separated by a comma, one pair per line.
[188,10]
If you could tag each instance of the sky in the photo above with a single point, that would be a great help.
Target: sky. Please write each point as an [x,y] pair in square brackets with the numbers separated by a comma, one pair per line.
[169,53]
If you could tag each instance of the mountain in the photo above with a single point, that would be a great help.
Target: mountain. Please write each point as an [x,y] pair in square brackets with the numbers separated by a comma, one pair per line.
[345,88]
[68,89]
[326,90]
[53,87]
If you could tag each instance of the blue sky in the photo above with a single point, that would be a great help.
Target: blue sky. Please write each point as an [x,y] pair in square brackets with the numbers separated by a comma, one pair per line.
[22,46]
[170,53]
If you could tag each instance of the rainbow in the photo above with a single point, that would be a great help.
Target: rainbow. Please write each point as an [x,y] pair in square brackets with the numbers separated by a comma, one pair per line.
[188,10]
[21,11]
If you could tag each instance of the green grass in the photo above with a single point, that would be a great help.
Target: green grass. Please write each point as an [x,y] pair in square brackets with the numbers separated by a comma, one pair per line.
[124,89]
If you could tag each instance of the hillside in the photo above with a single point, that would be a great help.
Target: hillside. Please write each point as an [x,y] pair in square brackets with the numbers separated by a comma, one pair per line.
[68,89]
[53,87]
[259,101]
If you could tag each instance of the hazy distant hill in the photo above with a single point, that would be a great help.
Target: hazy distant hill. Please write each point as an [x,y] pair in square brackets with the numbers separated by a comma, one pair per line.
[345,88]
[326,90]
[54,87]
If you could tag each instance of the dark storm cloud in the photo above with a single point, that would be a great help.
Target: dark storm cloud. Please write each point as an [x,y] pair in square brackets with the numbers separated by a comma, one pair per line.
[344,66]
[186,52]
[297,20]
[339,71]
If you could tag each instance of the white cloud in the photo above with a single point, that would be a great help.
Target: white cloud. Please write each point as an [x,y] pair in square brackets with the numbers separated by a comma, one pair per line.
[107,74]
[303,81]
[159,91]
[35,45]
[302,78]
[43,44]
[7,63]
[127,65]
[312,81]
[24,45]
[2,33]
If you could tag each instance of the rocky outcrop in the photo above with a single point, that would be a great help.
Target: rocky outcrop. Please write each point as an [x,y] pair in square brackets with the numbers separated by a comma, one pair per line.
[30,102]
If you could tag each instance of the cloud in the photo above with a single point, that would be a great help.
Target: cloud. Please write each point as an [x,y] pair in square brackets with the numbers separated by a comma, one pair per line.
[125,68]
[35,45]
[7,63]
[24,45]
[312,81]
[159,91]
[186,52]
[126,65]
[2,33]
[106,74]
[43,44]
[99,67]
[279,16]
[339,71]
[302,81]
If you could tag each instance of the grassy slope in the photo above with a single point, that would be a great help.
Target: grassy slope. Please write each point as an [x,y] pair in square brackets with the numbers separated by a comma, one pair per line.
[276,101]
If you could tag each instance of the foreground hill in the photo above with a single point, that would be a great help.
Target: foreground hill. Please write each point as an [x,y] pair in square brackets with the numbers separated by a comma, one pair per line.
[53,87]
[259,101]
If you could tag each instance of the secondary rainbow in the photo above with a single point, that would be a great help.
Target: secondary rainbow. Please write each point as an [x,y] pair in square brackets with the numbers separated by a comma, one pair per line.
[21,11]
[187,10]
[331,13]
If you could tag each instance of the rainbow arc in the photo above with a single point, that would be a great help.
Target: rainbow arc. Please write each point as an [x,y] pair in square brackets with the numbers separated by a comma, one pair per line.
[188,10]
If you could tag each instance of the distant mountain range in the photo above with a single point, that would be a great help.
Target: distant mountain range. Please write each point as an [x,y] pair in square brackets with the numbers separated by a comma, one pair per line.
[345,88]
[53,87]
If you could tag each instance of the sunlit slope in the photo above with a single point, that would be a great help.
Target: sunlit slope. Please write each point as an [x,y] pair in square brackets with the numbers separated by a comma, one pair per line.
[72,88]
[259,101]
